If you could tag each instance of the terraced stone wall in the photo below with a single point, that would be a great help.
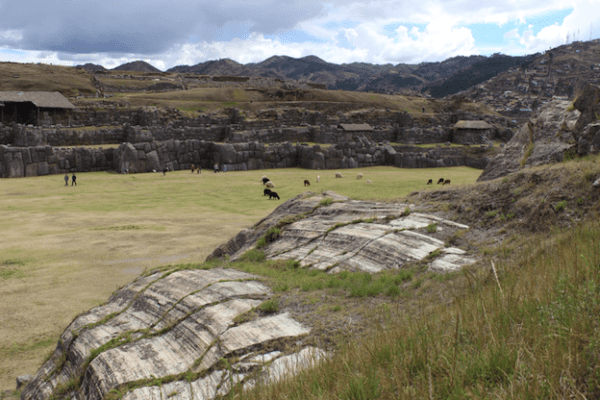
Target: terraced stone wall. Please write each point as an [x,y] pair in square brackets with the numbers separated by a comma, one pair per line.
[181,154]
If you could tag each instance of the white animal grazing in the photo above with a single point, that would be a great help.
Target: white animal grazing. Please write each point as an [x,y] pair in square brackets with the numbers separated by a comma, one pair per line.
[318,179]
[338,175]
[359,176]
[264,177]
[369,181]
[270,185]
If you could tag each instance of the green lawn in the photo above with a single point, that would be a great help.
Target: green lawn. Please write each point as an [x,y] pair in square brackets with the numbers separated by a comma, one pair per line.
[66,249]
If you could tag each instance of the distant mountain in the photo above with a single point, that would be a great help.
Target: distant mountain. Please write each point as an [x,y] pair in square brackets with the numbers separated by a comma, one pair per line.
[137,66]
[482,69]
[92,67]
[224,66]
[535,79]
[439,79]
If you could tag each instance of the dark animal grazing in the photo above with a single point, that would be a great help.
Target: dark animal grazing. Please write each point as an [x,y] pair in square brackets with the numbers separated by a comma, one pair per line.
[441,181]
[266,192]
[446,182]
[265,180]
[306,182]
[274,195]
[430,182]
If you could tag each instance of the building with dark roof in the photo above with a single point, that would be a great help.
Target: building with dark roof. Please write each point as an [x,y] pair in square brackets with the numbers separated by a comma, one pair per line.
[472,132]
[34,108]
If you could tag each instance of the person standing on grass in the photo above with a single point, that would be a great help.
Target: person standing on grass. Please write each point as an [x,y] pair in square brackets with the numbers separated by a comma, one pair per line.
[199,169]
[73,180]
[216,168]
[66,179]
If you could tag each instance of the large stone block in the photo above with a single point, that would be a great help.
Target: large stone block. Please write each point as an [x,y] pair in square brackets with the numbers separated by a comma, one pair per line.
[43,168]
[31,169]
[13,165]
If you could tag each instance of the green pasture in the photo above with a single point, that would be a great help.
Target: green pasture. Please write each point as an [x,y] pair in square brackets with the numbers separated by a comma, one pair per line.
[65,249]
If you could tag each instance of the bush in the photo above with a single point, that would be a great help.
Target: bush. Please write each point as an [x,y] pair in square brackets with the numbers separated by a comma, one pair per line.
[253,255]
[326,201]
[431,228]
[269,306]
[560,206]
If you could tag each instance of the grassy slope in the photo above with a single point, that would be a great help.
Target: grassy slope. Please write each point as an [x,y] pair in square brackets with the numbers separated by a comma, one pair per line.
[42,77]
[70,247]
[524,326]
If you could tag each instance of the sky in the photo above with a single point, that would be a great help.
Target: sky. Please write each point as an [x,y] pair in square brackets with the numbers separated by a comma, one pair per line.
[166,33]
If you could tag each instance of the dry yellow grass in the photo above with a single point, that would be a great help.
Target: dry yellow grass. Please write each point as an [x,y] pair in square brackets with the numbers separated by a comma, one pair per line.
[64,249]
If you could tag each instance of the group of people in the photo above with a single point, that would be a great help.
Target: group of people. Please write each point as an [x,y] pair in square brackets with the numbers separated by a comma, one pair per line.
[216,167]
[73,179]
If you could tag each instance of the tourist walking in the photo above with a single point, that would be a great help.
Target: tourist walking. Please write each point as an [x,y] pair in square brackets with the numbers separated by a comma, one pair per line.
[216,168]
[66,179]
[199,169]
[73,180]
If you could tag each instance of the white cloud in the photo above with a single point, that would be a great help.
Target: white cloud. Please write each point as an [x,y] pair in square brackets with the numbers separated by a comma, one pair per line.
[159,31]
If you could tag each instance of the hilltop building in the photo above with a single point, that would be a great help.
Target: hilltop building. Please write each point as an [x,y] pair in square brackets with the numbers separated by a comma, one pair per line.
[35,108]
[472,132]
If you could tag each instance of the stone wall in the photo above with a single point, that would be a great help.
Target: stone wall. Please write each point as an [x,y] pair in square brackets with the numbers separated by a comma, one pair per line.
[181,154]
[17,162]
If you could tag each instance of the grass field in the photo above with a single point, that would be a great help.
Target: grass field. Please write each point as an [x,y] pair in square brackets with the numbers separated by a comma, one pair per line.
[64,249]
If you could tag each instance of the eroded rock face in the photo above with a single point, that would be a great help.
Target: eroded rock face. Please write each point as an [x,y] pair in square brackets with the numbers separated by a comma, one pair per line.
[350,235]
[173,329]
[550,131]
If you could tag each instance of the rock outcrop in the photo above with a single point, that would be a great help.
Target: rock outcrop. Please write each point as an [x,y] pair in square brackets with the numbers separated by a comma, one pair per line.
[543,139]
[172,333]
[195,333]
[333,233]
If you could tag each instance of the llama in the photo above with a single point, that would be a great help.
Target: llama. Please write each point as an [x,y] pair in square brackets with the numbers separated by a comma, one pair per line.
[318,179]
[265,180]
[359,176]
[306,182]
[430,182]
[446,182]
[441,181]
[266,192]
[274,195]
[369,182]
[338,175]
[270,184]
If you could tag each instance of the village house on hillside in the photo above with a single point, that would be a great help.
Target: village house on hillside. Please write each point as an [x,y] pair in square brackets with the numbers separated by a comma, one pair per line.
[35,108]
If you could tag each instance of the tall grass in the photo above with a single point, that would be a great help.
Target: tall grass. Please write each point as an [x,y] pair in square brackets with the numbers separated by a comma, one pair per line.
[531,333]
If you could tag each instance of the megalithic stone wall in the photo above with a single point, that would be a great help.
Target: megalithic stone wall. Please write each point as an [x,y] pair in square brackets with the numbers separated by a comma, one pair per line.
[181,154]
[18,162]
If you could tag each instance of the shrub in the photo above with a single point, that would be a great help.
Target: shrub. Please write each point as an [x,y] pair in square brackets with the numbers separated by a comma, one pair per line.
[492,214]
[326,201]
[269,306]
[406,211]
[527,154]
[560,206]
[431,228]
[254,255]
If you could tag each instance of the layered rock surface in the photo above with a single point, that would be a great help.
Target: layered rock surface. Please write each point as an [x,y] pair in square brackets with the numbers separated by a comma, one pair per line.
[542,140]
[167,333]
[195,333]
[557,128]
[333,233]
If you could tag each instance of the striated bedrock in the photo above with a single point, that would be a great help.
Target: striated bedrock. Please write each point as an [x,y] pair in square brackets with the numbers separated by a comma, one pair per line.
[176,333]
[195,333]
[333,233]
